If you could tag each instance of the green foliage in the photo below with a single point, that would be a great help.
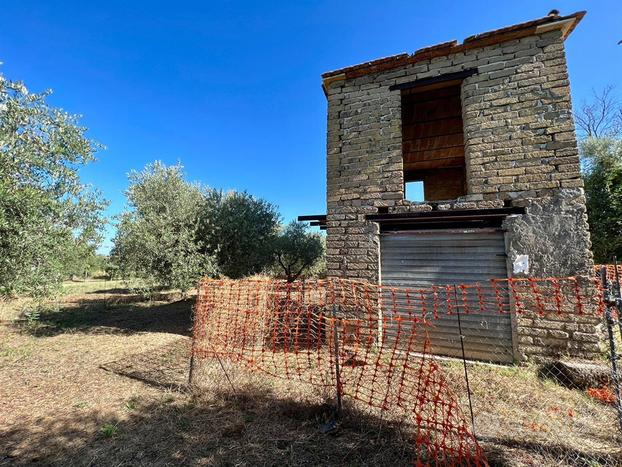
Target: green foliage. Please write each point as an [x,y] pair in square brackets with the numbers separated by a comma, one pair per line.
[297,250]
[318,269]
[157,237]
[240,231]
[49,220]
[130,405]
[96,265]
[602,173]
[85,264]
[33,314]
[109,430]
[175,232]
[112,269]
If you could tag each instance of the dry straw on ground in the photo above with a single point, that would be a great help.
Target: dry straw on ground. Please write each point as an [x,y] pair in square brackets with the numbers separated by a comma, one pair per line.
[102,381]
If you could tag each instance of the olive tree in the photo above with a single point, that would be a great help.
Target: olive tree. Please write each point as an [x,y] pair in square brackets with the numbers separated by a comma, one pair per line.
[239,230]
[49,219]
[297,250]
[157,237]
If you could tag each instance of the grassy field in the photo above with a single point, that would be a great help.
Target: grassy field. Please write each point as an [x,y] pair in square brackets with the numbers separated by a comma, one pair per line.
[100,379]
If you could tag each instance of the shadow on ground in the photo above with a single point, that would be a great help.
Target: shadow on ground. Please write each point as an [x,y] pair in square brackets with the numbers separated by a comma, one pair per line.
[245,429]
[157,291]
[257,424]
[165,368]
[109,314]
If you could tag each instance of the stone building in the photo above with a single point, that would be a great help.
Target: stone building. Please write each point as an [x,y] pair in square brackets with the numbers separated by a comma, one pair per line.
[482,133]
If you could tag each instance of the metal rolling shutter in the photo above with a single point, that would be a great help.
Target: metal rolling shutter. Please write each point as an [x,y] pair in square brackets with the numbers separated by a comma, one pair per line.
[421,259]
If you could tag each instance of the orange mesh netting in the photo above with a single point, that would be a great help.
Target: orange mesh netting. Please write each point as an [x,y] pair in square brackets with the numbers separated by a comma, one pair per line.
[379,335]
[611,271]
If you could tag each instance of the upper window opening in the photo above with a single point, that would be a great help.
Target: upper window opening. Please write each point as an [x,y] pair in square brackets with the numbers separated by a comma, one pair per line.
[433,143]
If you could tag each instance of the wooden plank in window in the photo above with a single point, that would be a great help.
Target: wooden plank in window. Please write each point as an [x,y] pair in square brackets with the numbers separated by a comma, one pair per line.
[432,110]
[410,168]
[434,142]
[427,129]
[413,95]
[415,156]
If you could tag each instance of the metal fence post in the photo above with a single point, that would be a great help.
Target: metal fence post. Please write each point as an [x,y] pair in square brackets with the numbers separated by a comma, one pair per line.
[191,370]
[337,363]
[466,372]
[615,380]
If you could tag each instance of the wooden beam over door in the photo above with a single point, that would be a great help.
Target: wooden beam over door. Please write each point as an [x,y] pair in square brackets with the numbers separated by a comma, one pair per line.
[458,76]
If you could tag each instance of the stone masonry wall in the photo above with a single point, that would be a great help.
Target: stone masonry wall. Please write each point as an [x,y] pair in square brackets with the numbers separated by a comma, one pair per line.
[520,149]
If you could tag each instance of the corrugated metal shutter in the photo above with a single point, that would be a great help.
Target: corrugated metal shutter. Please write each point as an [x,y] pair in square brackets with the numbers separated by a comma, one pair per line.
[422,259]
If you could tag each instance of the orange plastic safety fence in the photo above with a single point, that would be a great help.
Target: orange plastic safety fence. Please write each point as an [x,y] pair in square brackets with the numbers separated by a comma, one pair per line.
[611,271]
[380,336]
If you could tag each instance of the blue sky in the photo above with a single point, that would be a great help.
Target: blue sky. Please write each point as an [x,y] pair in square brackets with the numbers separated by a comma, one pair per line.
[232,89]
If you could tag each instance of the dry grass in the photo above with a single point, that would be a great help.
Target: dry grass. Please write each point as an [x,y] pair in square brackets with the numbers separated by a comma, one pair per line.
[523,419]
[55,396]
[101,380]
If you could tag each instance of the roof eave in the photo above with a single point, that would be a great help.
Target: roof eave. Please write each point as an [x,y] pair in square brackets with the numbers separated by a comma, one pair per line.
[565,24]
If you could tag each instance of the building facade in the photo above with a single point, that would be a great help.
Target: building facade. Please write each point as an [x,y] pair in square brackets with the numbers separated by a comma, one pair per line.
[482,132]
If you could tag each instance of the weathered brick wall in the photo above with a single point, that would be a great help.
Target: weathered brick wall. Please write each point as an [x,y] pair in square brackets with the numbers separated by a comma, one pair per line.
[558,318]
[519,140]
[520,148]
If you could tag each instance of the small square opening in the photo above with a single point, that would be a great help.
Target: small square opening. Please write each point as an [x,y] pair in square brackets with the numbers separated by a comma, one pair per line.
[414,191]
